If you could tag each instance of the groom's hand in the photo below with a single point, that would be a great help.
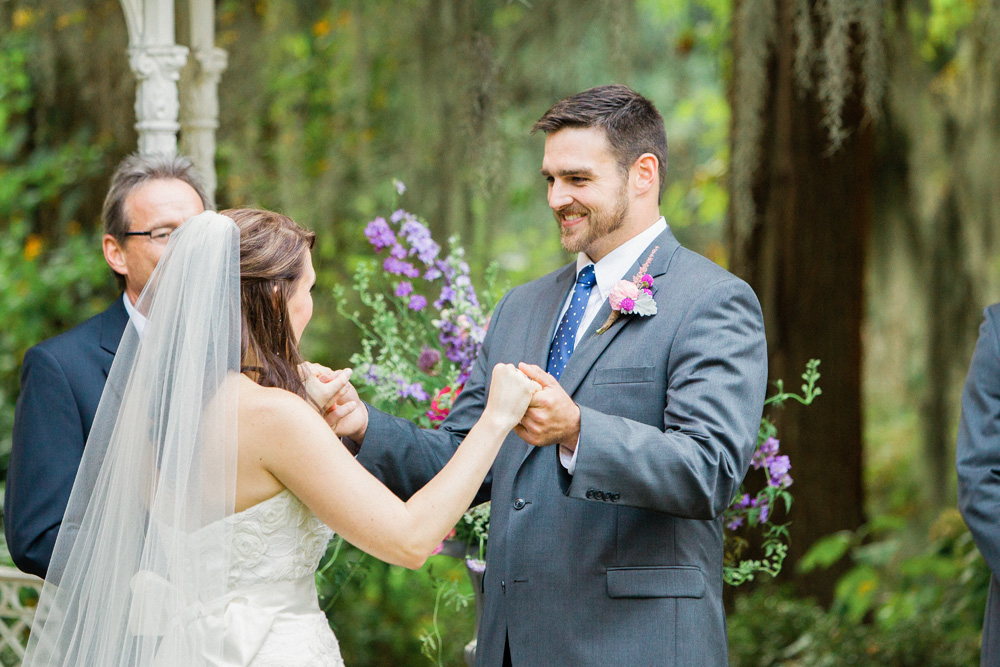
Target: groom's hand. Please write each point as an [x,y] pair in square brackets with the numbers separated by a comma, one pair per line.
[552,416]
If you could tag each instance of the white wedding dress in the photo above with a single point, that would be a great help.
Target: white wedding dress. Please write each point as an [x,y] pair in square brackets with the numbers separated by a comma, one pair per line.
[277,545]
[271,616]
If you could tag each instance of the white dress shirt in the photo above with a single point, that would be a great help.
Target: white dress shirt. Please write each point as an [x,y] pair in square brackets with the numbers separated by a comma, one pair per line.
[138,319]
[608,271]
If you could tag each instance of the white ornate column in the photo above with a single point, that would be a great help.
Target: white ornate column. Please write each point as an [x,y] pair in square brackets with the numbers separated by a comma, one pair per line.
[200,92]
[157,69]
[200,112]
[156,62]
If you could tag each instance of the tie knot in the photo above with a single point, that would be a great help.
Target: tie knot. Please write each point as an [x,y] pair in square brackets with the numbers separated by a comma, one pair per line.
[587,277]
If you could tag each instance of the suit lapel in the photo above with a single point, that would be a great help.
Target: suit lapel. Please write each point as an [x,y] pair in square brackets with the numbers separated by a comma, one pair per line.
[113,322]
[592,345]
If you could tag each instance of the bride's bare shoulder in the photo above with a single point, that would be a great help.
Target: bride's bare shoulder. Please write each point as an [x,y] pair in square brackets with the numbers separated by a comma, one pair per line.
[271,407]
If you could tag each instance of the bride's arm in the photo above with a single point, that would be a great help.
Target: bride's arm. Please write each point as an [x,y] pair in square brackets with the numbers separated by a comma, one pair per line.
[298,448]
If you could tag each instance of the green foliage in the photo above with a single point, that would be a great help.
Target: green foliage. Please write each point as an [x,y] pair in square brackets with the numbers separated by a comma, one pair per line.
[898,605]
[759,511]
[450,594]
[45,287]
[382,613]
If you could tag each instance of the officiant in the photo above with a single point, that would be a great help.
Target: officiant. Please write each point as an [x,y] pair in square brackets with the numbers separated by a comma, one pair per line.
[62,378]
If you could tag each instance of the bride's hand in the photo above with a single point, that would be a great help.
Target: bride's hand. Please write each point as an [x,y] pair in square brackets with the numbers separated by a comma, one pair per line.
[340,405]
[510,393]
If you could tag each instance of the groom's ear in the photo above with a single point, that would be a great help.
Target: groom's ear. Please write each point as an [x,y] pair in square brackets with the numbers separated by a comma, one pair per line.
[645,173]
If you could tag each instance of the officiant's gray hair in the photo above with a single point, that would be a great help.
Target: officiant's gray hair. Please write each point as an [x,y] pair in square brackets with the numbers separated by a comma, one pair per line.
[631,123]
[135,171]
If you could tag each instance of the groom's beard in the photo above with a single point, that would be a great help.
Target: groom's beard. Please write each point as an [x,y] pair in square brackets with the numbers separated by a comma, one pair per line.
[599,223]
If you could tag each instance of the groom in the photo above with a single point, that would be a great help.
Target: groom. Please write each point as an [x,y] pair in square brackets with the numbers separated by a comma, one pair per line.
[606,540]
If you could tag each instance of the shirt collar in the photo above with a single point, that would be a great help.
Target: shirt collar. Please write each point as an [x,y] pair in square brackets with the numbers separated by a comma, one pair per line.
[138,319]
[613,266]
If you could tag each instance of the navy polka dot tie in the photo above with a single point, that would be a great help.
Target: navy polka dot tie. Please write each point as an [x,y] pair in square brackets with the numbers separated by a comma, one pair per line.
[565,338]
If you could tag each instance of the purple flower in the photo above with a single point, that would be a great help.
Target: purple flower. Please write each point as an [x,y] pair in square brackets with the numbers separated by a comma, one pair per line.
[779,466]
[428,360]
[745,501]
[400,187]
[397,267]
[765,512]
[419,238]
[379,234]
[447,294]
[432,273]
[397,215]
[475,565]
[770,446]
[398,251]
[414,391]
[627,305]
[371,375]
[404,288]
[417,302]
[735,523]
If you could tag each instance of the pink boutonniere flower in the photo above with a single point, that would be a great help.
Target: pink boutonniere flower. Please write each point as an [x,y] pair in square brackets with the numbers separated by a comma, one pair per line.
[632,297]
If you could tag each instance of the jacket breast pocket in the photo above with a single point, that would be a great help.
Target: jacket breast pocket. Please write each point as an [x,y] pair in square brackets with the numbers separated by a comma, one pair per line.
[624,375]
[671,581]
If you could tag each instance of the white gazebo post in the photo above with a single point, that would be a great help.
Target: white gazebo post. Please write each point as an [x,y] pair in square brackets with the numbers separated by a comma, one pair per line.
[156,62]
[200,92]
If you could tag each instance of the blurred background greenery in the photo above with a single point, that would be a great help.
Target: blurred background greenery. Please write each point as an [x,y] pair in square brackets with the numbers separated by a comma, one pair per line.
[868,233]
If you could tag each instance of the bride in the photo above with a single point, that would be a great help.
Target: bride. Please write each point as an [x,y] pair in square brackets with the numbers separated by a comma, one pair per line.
[210,485]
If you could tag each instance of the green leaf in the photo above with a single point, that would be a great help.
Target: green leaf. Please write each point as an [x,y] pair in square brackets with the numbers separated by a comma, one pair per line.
[826,551]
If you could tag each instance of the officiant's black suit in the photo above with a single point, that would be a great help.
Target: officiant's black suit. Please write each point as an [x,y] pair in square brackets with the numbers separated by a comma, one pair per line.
[61,384]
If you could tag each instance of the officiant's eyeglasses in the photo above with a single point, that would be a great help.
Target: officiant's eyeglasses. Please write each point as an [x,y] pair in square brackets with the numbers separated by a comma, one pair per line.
[158,235]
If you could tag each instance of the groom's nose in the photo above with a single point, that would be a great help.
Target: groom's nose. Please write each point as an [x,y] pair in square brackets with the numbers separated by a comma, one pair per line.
[559,196]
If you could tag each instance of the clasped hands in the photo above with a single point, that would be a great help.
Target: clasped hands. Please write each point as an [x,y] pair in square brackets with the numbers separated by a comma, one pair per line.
[551,418]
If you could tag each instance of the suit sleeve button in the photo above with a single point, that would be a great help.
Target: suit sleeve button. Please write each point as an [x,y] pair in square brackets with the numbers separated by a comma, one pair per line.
[590,493]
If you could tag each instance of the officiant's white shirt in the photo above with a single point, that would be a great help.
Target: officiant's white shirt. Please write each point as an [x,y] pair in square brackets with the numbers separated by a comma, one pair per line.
[608,271]
[138,319]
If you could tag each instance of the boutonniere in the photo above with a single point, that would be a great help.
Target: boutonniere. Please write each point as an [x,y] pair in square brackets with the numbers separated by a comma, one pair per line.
[632,297]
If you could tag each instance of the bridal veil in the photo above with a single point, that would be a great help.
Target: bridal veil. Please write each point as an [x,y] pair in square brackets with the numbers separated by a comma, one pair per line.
[139,571]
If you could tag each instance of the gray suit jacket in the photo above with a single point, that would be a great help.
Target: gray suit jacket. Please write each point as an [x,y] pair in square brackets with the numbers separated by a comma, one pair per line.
[977,459]
[620,563]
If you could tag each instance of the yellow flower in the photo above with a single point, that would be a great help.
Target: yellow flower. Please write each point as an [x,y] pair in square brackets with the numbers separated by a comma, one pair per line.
[32,246]
[22,18]
[321,28]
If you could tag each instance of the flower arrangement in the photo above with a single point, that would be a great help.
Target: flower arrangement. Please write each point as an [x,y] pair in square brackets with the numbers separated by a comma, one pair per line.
[426,321]
[426,327]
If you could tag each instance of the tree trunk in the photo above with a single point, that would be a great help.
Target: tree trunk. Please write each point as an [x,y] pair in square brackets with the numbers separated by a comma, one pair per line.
[804,254]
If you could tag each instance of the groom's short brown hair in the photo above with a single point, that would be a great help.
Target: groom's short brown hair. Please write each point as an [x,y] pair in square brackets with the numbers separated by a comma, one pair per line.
[631,123]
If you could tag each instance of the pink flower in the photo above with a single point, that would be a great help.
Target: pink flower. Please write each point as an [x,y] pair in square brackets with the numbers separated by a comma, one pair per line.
[623,289]
[648,279]
[627,305]
[647,292]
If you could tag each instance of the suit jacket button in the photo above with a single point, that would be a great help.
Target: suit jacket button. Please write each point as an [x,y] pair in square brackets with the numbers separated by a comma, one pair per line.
[519,504]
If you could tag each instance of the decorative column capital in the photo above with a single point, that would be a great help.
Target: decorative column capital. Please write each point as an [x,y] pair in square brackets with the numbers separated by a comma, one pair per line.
[211,63]
[157,70]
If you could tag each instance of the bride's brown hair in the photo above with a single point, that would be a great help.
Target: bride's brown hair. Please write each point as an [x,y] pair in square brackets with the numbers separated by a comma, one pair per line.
[273,253]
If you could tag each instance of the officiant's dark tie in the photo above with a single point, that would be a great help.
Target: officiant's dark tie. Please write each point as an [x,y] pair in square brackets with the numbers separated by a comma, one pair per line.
[565,338]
